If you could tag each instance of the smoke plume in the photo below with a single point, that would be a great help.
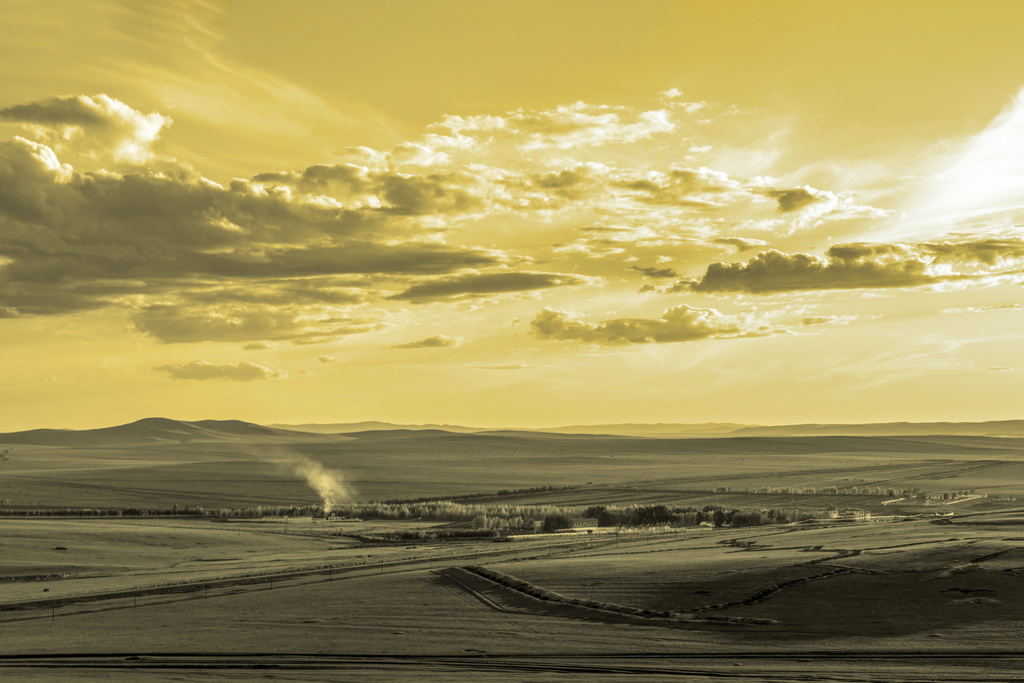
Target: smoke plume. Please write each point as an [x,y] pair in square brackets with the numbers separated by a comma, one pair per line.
[329,484]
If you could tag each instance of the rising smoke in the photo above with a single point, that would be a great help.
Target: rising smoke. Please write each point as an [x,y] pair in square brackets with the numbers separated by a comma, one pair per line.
[329,484]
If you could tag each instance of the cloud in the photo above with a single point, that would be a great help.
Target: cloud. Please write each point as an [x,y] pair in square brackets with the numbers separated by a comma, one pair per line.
[775,271]
[797,198]
[654,272]
[862,265]
[185,323]
[563,127]
[482,284]
[982,309]
[200,369]
[73,240]
[701,188]
[978,185]
[97,125]
[326,359]
[435,342]
[295,243]
[990,251]
[291,255]
[739,243]
[354,186]
[679,324]
[810,321]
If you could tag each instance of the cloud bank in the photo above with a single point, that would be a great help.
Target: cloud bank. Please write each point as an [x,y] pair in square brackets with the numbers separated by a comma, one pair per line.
[680,324]
[864,266]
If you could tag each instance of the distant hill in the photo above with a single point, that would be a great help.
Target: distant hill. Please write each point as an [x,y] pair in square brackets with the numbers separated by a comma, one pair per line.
[996,428]
[349,427]
[158,430]
[654,429]
[627,429]
[148,431]
[700,430]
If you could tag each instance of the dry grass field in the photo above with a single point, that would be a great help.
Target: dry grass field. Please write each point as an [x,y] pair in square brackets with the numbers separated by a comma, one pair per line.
[875,580]
[912,596]
[234,470]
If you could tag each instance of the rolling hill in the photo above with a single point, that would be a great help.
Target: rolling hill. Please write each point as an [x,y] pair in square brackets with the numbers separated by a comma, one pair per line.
[150,431]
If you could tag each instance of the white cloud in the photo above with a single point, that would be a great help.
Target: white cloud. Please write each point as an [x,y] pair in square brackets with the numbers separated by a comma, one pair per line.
[95,125]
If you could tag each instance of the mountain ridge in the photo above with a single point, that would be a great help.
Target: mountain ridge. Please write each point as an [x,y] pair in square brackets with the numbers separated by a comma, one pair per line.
[165,430]
[700,430]
[147,431]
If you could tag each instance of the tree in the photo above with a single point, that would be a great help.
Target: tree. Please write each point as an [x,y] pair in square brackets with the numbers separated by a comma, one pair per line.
[653,515]
[555,522]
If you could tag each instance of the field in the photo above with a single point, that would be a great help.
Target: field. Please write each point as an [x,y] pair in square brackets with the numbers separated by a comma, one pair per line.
[925,589]
[248,470]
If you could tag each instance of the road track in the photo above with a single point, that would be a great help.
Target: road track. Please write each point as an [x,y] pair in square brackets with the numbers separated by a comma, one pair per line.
[796,665]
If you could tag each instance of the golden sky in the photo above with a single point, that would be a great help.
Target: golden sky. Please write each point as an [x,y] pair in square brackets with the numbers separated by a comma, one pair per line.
[523,213]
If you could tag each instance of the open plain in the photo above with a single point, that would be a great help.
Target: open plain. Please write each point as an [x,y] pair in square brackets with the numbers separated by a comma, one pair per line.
[138,555]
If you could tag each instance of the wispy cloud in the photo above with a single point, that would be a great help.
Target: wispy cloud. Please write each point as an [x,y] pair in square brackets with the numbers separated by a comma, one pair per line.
[439,341]
[202,370]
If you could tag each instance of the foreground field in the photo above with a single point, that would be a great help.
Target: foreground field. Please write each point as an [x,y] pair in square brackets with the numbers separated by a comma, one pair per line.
[871,580]
[956,619]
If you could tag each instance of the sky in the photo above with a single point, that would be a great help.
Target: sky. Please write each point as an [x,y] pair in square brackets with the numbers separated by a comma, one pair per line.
[522,214]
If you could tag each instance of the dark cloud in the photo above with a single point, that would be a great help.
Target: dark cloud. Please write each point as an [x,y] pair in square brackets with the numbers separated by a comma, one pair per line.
[992,251]
[97,124]
[184,322]
[483,284]
[679,324]
[394,192]
[79,240]
[797,198]
[845,267]
[342,181]
[861,265]
[653,272]
[434,193]
[243,372]
[435,342]
[323,290]
[701,189]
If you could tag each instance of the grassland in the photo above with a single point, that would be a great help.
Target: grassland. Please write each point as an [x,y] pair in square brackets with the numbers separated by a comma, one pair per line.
[909,597]
[252,470]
